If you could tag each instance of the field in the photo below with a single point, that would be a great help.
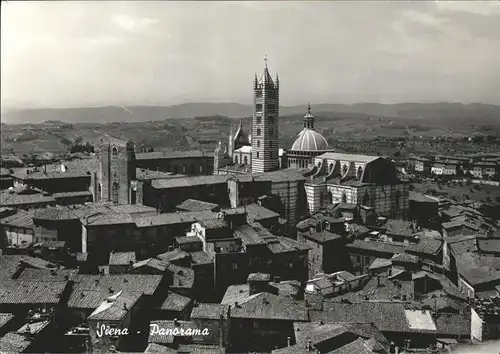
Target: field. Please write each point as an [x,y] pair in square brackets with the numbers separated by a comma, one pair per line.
[460,192]
[347,132]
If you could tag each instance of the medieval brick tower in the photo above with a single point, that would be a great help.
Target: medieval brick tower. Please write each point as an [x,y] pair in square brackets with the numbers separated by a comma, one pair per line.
[117,173]
[265,125]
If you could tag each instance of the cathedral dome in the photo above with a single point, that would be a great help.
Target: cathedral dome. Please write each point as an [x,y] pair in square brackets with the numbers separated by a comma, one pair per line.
[309,140]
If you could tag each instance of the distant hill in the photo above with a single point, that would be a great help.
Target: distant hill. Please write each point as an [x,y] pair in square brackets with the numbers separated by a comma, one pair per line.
[476,113]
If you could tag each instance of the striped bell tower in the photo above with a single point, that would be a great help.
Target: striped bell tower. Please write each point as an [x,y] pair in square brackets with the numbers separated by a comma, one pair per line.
[265,124]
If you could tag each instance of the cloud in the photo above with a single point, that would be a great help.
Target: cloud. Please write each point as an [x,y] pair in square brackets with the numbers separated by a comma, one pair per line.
[485,8]
[132,24]
[424,18]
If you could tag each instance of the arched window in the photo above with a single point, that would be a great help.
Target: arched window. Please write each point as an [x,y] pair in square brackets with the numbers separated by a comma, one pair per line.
[236,159]
[201,168]
[344,198]
[183,169]
[114,151]
[176,169]
[360,173]
[246,160]
[344,169]
[398,199]
[366,199]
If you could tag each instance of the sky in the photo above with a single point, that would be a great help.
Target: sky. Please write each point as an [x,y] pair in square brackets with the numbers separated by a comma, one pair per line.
[73,54]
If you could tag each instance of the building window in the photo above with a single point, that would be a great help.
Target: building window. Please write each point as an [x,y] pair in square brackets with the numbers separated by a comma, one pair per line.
[236,159]
[398,197]
[271,107]
[270,120]
[258,107]
[358,259]
[246,160]
[115,151]
[257,154]
[271,144]
[183,168]
[330,197]
[258,131]
[290,265]
[192,169]
[176,169]
[344,198]
[235,266]
[360,173]
[258,94]
[258,143]
[258,120]
[271,131]
[344,169]
[201,168]
[366,198]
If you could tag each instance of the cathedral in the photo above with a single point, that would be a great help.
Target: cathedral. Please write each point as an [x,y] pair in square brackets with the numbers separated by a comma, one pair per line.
[368,181]
[310,174]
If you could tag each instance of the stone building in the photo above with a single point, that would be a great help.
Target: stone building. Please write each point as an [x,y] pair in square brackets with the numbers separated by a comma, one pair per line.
[308,145]
[357,179]
[117,172]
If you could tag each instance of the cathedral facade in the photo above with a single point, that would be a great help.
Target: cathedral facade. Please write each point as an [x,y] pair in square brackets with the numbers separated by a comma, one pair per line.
[368,181]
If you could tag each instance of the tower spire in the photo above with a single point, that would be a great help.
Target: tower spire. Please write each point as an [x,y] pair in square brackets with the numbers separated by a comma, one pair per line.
[265,60]
[309,107]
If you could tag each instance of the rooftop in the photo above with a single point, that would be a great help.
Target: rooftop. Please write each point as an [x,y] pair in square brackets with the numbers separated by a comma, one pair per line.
[322,237]
[187,182]
[371,246]
[488,245]
[115,307]
[477,269]
[196,205]
[121,258]
[175,302]
[5,318]
[154,263]
[14,342]
[146,175]
[11,198]
[129,282]
[187,217]
[270,306]
[22,219]
[172,155]
[31,292]
[348,157]
[210,311]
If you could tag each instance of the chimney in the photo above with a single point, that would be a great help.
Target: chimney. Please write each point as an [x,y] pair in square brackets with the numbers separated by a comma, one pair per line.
[309,346]
[125,307]
[236,304]
[288,341]
[392,348]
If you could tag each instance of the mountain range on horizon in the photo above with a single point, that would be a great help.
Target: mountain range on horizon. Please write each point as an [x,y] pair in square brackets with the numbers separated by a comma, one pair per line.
[478,113]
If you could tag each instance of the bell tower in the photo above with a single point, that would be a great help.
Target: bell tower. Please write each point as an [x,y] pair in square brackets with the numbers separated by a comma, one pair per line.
[265,124]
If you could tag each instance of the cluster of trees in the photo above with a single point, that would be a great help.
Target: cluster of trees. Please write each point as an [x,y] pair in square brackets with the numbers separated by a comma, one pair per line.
[79,146]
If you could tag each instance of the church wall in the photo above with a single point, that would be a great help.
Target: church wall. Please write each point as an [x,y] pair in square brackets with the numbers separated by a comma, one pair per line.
[313,193]
[191,166]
